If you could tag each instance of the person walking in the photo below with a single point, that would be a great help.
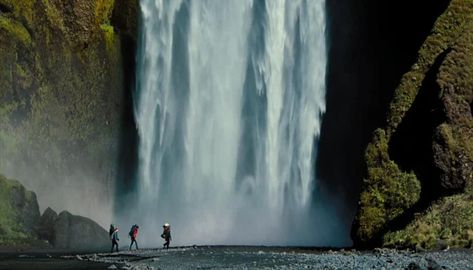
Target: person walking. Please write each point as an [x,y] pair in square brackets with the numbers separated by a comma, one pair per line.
[166,235]
[133,235]
[113,232]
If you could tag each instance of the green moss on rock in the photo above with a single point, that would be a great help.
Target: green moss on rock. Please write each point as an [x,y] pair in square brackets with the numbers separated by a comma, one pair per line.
[447,29]
[109,35]
[388,191]
[19,213]
[61,97]
[104,10]
[15,30]
[448,222]
[21,9]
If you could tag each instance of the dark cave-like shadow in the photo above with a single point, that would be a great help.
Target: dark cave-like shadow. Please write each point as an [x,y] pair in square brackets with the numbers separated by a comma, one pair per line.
[411,147]
[371,45]
[128,140]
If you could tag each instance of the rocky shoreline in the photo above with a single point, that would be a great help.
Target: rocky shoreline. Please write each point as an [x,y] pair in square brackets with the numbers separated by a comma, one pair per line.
[228,257]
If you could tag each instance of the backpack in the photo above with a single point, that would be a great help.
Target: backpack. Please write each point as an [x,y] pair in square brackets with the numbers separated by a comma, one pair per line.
[133,230]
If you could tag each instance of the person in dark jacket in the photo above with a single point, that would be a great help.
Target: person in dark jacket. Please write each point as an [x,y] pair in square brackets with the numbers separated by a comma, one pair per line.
[166,235]
[113,232]
[134,235]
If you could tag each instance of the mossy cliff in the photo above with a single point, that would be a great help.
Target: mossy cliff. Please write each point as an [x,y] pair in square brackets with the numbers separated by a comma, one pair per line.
[19,215]
[419,167]
[22,227]
[62,83]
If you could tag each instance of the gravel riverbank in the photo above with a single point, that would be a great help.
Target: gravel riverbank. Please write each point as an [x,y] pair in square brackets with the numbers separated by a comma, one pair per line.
[202,257]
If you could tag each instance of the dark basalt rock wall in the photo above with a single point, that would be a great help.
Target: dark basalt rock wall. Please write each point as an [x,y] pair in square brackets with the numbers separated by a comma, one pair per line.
[46,225]
[417,189]
[72,232]
[371,45]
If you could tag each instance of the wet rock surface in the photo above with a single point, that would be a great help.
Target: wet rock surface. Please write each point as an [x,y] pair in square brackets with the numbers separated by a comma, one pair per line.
[22,227]
[26,206]
[278,258]
[19,214]
[417,188]
[78,233]
[46,225]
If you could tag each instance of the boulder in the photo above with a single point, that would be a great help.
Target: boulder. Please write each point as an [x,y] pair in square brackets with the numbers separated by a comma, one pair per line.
[72,232]
[46,225]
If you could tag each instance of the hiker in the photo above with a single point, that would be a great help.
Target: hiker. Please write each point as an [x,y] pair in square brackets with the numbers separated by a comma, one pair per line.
[166,235]
[113,232]
[112,228]
[133,234]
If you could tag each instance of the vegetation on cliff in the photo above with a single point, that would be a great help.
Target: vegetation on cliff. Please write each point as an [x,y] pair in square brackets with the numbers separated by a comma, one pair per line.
[425,151]
[448,222]
[19,213]
[61,94]
[22,227]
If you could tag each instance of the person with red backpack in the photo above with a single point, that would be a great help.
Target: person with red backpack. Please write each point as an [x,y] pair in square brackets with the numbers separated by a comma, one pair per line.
[133,235]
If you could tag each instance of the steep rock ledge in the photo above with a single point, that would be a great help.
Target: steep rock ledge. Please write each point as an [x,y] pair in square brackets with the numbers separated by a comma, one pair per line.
[19,215]
[371,45]
[425,152]
[64,76]
[22,228]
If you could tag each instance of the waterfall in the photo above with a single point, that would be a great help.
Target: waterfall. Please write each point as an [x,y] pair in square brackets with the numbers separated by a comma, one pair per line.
[228,105]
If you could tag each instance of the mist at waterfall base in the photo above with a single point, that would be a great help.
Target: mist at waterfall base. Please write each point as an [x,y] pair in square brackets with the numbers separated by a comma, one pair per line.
[228,105]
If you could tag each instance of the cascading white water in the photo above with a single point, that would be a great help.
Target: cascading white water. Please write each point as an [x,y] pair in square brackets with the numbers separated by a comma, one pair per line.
[229,101]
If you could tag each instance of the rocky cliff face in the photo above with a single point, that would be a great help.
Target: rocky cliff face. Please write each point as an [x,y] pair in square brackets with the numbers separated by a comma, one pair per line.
[22,227]
[372,44]
[70,232]
[19,214]
[424,155]
[64,70]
